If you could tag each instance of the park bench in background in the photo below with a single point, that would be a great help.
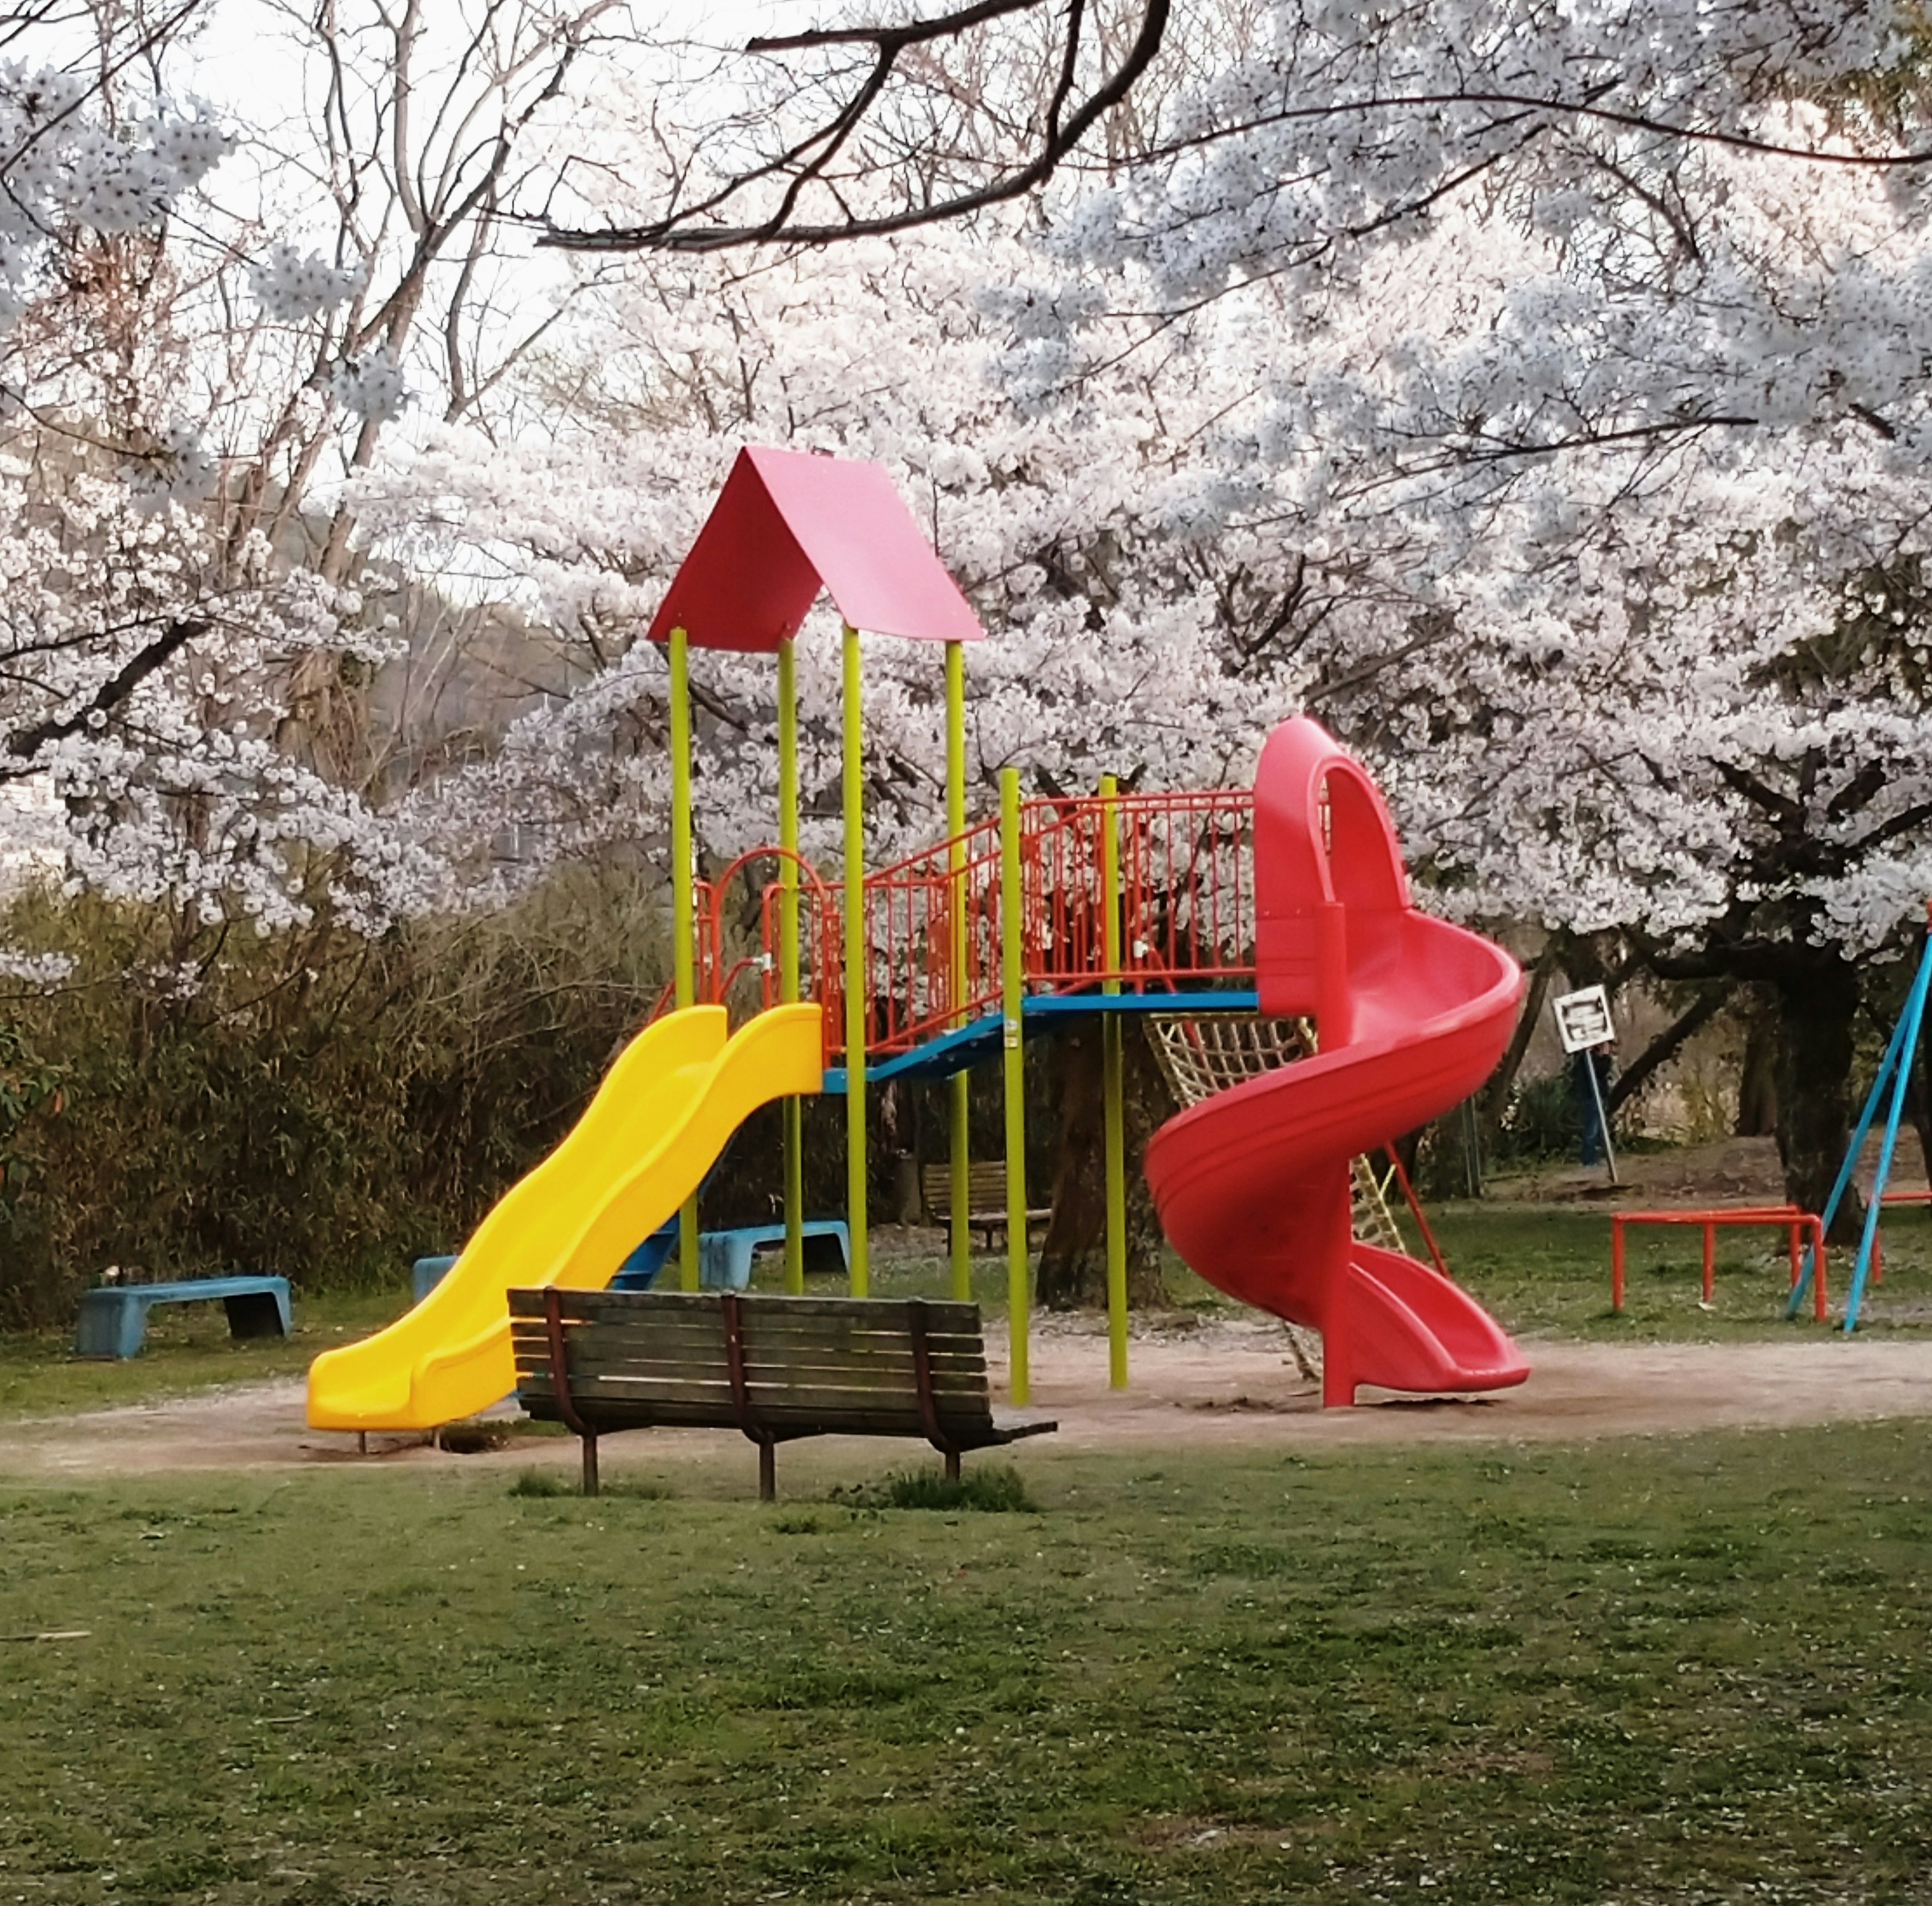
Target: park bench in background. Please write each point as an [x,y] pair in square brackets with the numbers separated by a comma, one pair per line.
[776,1367]
[114,1319]
[985,1199]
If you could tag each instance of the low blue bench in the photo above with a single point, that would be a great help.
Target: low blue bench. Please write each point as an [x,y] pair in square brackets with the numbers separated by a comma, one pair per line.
[724,1257]
[114,1319]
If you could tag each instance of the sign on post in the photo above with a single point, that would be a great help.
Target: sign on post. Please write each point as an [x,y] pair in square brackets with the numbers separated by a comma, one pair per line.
[1583,1019]
[1583,1023]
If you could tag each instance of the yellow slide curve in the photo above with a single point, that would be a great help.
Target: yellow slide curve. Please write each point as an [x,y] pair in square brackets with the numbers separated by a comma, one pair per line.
[677,1092]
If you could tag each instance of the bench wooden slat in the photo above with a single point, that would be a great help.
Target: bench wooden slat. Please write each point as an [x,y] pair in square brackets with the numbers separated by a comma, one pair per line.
[610,1342]
[826,1389]
[789,1424]
[648,1335]
[760,1378]
[942,1313]
[828,1413]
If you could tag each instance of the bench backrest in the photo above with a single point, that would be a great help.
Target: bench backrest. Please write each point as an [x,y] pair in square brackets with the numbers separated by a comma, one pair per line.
[986,1188]
[779,1366]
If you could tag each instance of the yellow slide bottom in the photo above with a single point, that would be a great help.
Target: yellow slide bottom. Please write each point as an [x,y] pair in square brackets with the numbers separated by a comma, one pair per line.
[677,1092]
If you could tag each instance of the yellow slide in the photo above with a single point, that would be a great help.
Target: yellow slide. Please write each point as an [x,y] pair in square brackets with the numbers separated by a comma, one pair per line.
[677,1092]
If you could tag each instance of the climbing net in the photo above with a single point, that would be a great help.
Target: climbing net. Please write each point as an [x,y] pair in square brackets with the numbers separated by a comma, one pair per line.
[1204,1055]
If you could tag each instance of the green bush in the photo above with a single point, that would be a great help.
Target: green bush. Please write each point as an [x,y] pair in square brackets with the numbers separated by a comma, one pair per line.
[308,1103]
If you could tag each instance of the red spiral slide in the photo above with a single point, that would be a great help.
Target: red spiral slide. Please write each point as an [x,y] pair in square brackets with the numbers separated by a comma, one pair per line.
[1411,1014]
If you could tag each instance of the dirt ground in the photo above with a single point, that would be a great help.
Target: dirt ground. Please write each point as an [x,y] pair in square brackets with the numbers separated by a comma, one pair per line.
[1225,1384]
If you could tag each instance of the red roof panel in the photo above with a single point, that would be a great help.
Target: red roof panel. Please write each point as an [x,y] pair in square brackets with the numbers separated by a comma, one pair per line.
[786,524]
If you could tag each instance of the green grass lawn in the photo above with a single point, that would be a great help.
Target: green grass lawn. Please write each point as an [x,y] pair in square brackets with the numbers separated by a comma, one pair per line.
[1684,1671]
[1543,1270]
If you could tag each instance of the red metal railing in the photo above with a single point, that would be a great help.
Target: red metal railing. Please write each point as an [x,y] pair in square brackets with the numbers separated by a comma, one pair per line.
[932,931]
[1186,886]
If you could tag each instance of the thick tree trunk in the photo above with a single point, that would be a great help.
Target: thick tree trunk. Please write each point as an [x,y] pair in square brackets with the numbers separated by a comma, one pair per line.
[1073,1260]
[1816,999]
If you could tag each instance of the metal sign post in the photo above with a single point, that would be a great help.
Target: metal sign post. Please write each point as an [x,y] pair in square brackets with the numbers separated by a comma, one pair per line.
[1583,1023]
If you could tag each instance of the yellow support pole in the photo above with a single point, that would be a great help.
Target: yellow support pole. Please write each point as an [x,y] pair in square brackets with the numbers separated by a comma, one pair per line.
[683,902]
[959,1127]
[1013,1068]
[856,971]
[1112,1093]
[794,1115]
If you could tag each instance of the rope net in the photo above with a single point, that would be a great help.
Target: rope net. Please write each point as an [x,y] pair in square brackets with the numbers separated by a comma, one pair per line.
[1203,1055]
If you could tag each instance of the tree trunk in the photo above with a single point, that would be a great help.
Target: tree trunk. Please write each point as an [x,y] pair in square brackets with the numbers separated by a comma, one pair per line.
[1757,1077]
[1816,999]
[1073,1260]
[1492,1100]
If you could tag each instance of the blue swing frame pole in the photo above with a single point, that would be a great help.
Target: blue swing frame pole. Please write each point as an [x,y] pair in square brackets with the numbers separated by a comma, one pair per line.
[1905,1043]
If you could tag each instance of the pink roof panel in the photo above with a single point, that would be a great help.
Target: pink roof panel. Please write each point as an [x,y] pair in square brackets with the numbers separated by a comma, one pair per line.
[786,524]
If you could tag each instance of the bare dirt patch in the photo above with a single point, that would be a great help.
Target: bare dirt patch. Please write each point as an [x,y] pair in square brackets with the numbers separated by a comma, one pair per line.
[1228,1384]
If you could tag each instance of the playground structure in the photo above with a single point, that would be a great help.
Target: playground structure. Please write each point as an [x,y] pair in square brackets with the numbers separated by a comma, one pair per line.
[1288,900]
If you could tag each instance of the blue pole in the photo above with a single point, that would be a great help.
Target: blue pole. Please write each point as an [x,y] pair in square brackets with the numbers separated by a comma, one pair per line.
[1908,1023]
[1851,1151]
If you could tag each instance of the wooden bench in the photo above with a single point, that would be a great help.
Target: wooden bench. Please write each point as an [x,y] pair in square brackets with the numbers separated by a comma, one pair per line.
[113,1320]
[776,1367]
[985,1199]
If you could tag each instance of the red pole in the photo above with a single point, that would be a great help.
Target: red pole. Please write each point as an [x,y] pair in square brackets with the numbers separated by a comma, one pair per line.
[1796,1225]
[1818,1270]
[1710,1258]
[1616,1264]
[1415,1209]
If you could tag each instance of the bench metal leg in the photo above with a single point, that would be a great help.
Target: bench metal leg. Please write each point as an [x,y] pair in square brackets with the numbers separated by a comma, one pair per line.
[590,1465]
[256,1314]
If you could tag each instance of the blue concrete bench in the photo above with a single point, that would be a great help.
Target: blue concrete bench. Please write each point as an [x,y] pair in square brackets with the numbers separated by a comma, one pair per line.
[114,1319]
[724,1257]
[638,1272]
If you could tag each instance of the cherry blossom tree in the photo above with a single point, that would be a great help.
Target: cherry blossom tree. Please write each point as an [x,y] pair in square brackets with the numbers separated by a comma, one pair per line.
[212,323]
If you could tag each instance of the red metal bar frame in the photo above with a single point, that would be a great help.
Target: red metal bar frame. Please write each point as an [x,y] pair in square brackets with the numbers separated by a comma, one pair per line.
[1788,1216]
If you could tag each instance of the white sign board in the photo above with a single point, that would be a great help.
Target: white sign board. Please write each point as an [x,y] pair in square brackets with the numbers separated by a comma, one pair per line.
[1583,1019]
